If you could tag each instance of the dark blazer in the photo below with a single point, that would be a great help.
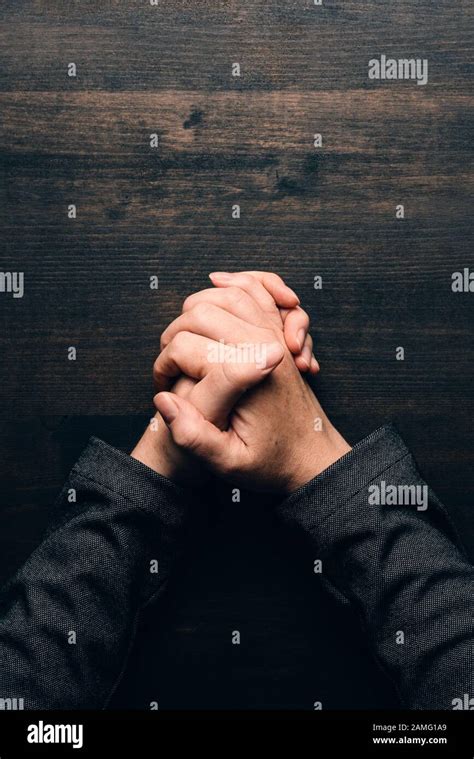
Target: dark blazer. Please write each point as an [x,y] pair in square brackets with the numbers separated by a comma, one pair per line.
[378,535]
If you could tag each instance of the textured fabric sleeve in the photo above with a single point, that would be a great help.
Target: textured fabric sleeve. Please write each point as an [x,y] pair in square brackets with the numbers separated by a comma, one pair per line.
[385,542]
[68,617]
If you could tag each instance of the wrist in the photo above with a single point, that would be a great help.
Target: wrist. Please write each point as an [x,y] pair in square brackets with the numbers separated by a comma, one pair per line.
[319,453]
[153,449]
[157,451]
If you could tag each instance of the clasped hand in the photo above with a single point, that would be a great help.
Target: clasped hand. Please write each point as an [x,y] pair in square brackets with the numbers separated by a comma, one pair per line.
[232,398]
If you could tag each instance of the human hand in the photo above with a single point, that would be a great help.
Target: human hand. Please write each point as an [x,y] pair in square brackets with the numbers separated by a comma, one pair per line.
[252,443]
[156,448]
[294,321]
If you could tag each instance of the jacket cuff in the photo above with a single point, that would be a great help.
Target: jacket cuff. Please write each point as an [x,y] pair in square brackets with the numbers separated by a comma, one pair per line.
[129,478]
[315,501]
[121,479]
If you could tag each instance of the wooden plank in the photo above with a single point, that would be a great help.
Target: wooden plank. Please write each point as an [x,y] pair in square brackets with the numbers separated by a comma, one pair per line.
[182,45]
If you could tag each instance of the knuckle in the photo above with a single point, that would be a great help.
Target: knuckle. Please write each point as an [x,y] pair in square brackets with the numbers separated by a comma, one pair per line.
[228,467]
[233,374]
[180,342]
[202,311]
[186,436]
[156,365]
[271,277]
[189,302]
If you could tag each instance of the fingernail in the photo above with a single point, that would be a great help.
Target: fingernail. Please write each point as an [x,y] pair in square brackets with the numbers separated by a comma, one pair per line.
[222,275]
[301,338]
[293,293]
[273,355]
[167,408]
[314,365]
[306,355]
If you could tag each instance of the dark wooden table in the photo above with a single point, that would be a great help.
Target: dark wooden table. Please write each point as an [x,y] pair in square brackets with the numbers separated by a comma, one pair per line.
[167,212]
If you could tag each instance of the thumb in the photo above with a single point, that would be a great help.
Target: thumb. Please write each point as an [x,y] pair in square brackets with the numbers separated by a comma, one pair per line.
[218,392]
[190,430]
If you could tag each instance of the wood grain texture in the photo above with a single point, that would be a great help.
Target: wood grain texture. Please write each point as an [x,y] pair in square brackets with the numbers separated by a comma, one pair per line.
[167,212]
[182,45]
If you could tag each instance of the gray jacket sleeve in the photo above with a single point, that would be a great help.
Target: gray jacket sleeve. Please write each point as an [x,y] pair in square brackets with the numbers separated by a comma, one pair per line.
[386,544]
[68,617]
